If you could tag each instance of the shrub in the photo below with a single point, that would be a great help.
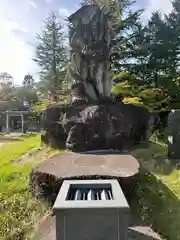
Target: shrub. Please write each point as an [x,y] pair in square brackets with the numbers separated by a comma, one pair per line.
[134,100]
[123,76]
[125,89]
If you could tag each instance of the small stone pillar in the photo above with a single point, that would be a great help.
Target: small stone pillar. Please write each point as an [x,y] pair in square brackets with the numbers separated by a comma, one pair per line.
[7,121]
[22,122]
[174,134]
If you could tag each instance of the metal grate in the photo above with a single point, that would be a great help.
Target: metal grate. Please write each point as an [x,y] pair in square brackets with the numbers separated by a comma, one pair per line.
[88,194]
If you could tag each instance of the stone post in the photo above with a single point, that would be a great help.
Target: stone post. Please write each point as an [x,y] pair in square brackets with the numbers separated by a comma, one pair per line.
[174,134]
[22,122]
[7,121]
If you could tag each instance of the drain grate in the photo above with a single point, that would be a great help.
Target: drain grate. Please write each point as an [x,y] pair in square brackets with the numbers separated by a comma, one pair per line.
[89,194]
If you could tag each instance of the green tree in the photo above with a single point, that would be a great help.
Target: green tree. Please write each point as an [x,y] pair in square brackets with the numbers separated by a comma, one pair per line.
[25,95]
[147,53]
[172,82]
[133,54]
[28,80]
[173,24]
[158,37]
[15,98]
[51,53]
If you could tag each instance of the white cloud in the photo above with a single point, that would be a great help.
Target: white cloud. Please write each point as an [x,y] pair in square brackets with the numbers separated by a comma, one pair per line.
[19,22]
[15,55]
[164,7]
[13,25]
[64,12]
[33,4]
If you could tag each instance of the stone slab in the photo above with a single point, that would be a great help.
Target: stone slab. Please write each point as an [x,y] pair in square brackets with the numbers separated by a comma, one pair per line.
[46,179]
[70,165]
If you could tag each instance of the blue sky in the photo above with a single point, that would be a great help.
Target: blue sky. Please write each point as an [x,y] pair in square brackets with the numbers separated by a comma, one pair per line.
[20,20]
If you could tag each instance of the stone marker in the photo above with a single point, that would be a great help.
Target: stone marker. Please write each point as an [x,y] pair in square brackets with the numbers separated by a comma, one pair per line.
[91,219]
[174,134]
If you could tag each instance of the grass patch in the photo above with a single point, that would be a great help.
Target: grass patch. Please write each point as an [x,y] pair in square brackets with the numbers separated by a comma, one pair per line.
[157,196]
[5,139]
[36,156]
[20,137]
[18,210]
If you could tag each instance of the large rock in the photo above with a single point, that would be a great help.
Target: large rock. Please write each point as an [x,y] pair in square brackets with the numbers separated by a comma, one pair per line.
[106,126]
[174,134]
[55,121]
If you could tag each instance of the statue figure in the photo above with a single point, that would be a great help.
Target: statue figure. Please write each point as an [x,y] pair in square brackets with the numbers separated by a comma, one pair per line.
[89,39]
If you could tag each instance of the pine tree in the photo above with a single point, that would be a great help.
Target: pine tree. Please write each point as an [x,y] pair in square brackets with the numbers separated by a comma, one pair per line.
[158,39]
[51,53]
[28,80]
[133,54]
[172,83]
[147,52]
[173,22]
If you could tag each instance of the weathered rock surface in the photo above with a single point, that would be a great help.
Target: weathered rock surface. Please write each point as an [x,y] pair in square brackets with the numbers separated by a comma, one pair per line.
[46,178]
[109,126]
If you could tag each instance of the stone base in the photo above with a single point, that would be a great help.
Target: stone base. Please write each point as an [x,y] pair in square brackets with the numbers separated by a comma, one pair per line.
[137,230]
[101,126]
[46,179]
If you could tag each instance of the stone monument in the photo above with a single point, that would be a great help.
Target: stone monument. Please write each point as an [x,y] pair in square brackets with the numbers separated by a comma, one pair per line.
[89,39]
[174,134]
[94,119]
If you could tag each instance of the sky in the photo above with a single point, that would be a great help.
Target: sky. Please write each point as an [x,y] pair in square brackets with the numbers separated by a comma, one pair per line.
[21,20]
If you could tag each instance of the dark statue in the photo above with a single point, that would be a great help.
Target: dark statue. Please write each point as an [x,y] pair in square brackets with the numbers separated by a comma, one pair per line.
[95,118]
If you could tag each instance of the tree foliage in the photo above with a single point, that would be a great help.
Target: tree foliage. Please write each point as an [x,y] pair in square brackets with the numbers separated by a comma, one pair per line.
[51,53]
[16,98]
[28,80]
[149,61]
